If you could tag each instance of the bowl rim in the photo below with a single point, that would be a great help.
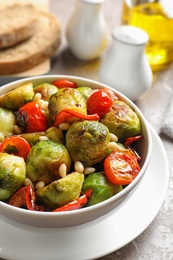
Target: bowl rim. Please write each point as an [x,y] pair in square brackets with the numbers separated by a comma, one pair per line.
[9,86]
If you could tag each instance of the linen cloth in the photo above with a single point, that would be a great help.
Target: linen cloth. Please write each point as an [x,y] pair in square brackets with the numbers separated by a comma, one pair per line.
[159,107]
[167,126]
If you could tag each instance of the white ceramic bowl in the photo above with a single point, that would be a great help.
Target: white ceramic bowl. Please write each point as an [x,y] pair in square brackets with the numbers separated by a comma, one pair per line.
[84,215]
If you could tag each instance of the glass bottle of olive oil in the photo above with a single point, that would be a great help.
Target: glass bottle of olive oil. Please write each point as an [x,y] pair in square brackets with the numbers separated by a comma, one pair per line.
[156,18]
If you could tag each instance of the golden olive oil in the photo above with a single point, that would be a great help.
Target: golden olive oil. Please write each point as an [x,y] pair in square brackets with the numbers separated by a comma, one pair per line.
[152,18]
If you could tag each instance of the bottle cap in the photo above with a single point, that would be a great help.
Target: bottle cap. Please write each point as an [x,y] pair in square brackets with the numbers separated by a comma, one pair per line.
[130,35]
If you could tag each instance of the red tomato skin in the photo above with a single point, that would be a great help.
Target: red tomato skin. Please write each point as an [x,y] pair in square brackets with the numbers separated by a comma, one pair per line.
[101,101]
[76,204]
[25,198]
[19,198]
[65,114]
[30,198]
[63,83]
[31,119]
[21,146]
[114,170]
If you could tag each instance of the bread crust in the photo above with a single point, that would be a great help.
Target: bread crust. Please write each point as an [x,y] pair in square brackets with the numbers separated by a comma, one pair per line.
[18,23]
[35,50]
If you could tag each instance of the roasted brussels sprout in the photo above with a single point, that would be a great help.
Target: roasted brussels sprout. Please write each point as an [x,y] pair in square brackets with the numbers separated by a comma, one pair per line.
[12,174]
[46,90]
[32,138]
[86,91]
[61,192]
[44,160]
[8,120]
[122,121]
[87,142]
[55,134]
[66,98]
[17,97]
[102,188]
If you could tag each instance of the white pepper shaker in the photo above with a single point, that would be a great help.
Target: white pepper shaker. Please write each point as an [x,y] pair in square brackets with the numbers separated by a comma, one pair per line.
[86,30]
[125,66]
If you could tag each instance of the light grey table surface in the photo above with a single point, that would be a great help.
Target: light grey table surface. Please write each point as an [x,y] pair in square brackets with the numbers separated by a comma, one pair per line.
[156,242]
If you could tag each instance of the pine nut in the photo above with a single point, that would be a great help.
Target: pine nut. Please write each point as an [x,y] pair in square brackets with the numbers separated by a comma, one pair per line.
[1,137]
[17,129]
[78,166]
[37,97]
[113,137]
[28,182]
[42,138]
[39,185]
[63,170]
[43,104]
[89,170]
[112,145]
[64,126]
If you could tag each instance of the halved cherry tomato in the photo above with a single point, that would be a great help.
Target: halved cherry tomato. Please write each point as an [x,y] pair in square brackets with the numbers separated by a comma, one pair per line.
[30,198]
[15,145]
[25,198]
[19,198]
[64,83]
[101,101]
[31,119]
[121,167]
[65,114]
[129,142]
[76,204]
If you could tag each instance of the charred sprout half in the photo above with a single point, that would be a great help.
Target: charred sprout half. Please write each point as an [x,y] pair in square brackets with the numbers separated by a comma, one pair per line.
[61,192]
[12,174]
[7,122]
[17,97]
[122,121]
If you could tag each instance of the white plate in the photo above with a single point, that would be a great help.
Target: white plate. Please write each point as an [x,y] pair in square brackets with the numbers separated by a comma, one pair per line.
[97,238]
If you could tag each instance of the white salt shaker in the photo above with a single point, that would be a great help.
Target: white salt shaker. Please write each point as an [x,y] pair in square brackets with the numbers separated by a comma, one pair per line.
[86,30]
[125,66]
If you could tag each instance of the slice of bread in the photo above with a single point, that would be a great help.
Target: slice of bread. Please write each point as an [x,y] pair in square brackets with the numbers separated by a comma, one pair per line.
[17,23]
[35,50]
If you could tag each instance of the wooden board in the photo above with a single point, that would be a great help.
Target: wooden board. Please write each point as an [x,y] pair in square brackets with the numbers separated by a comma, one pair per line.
[43,67]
